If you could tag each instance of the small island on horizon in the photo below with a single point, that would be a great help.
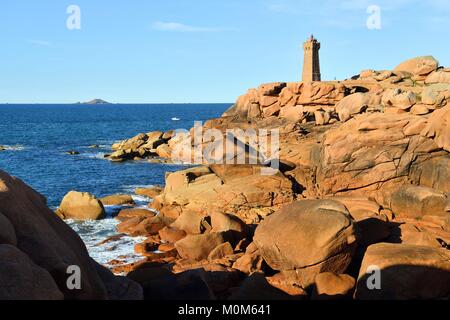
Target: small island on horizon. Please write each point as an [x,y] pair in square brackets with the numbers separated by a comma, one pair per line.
[95,101]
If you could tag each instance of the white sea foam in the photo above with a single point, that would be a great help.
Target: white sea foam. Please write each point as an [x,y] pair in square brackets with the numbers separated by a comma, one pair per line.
[96,155]
[141,200]
[103,242]
[132,188]
[94,233]
[17,147]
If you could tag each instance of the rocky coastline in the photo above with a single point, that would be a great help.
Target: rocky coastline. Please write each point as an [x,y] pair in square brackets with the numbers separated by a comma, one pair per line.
[362,189]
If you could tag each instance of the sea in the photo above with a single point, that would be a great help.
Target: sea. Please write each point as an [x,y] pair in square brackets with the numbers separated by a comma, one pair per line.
[37,138]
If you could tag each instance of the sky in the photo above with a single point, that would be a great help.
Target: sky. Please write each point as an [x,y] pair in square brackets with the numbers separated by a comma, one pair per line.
[201,51]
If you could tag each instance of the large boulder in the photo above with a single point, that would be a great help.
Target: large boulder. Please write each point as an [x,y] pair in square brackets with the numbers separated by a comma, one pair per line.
[434,173]
[438,127]
[117,200]
[440,76]
[400,99]
[405,272]
[126,214]
[7,232]
[285,100]
[154,139]
[51,247]
[221,251]
[369,154]
[171,235]
[164,151]
[149,192]
[436,95]
[420,66]
[143,226]
[307,237]
[354,104]
[199,190]
[333,286]
[81,206]
[360,207]
[228,223]
[133,143]
[198,247]
[408,233]
[22,279]
[415,201]
[293,113]
[142,145]
[191,223]
[251,261]
[320,93]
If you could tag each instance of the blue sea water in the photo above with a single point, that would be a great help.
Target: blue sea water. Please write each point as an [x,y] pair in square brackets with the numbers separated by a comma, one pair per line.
[37,138]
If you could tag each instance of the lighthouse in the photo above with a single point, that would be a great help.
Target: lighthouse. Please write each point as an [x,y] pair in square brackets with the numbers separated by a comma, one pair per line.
[311,64]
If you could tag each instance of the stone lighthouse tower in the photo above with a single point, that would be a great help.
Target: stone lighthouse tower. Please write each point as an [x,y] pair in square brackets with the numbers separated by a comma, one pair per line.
[311,65]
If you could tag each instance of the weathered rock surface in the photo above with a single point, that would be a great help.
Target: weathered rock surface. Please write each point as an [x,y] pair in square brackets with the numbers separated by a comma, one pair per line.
[333,286]
[323,228]
[420,66]
[406,272]
[35,265]
[143,225]
[415,202]
[149,192]
[355,104]
[439,76]
[126,214]
[251,261]
[22,279]
[200,190]
[144,145]
[80,206]
[438,127]
[369,154]
[198,247]
[362,161]
[433,173]
[117,200]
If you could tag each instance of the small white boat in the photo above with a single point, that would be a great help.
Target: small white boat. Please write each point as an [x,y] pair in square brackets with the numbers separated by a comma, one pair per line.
[175,119]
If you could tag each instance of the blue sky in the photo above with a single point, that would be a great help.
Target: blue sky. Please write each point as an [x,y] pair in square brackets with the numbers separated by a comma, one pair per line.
[200,50]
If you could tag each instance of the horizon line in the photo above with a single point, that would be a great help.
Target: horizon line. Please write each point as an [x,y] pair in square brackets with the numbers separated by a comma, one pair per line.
[109,103]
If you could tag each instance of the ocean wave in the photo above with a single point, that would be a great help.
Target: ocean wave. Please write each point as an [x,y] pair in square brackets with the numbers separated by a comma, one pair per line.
[141,200]
[101,241]
[17,147]
[132,188]
[180,163]
[94,155]
[101,146]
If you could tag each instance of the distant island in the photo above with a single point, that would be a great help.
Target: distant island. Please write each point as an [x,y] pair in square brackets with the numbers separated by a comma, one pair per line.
[95,101]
